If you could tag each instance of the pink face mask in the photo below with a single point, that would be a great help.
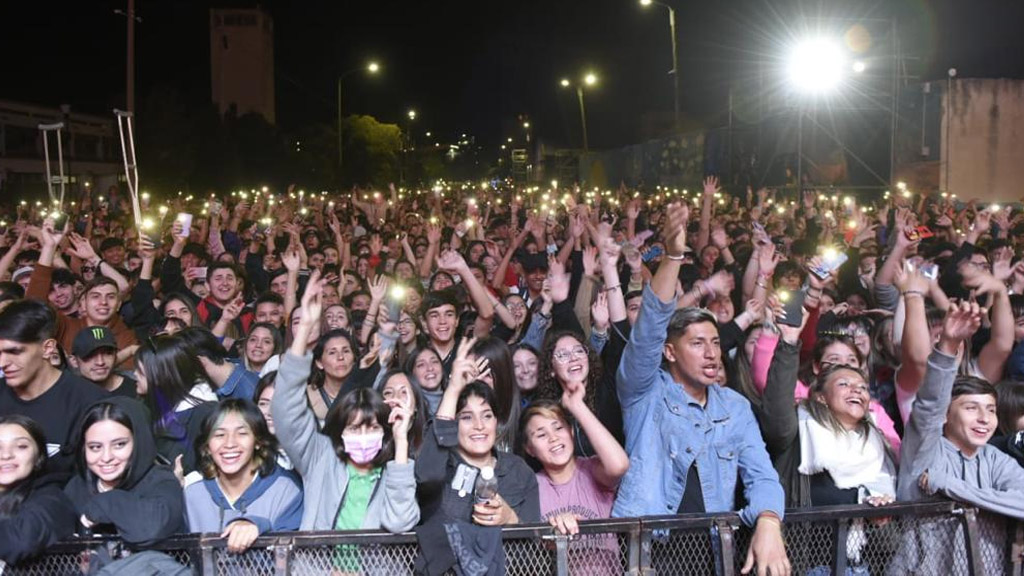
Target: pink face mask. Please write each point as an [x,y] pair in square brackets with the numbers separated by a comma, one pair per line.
[363,448]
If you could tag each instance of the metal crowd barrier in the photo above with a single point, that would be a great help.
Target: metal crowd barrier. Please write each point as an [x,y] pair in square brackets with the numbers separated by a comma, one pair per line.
[914,538]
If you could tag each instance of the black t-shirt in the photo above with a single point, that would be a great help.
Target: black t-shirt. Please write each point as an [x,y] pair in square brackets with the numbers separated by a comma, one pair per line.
[57,412]
[693,495]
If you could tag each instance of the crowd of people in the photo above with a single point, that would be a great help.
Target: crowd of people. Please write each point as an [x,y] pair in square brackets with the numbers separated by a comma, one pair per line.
[457,359]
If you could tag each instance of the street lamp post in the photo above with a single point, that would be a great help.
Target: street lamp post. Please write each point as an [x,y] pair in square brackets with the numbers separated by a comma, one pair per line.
[372,68]
[589,80]
[675,58]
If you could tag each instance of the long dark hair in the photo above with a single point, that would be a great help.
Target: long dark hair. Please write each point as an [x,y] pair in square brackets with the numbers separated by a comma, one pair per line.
[359,405]
[11,499]
[98,413]
[317,377]
[184,300]
[265,450]
[419,415]
[275,335]
[171,371]
[548,385]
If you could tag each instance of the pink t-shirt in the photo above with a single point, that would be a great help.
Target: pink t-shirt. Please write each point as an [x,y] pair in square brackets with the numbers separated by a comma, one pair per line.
[583,495]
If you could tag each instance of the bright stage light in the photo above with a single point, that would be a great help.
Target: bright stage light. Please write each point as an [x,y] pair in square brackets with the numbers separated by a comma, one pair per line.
[816,66]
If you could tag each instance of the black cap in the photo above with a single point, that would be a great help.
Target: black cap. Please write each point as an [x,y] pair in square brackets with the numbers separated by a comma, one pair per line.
[91,339]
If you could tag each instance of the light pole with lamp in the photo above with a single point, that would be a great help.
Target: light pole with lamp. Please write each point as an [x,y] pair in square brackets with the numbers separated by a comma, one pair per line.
[372,68]
[589,80]
[675,57]
[815,70]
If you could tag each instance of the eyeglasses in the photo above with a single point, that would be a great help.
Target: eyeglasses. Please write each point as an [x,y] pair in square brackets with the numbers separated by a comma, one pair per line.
[565,356]
[88,269]
[515,307]
[405,322]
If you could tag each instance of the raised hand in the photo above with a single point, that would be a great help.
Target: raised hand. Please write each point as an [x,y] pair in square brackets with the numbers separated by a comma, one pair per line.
[589,260]
[452,261]
[721,282]
[961,322]
[234,309]
[312,303]
[677,216]
[291,259]
[767,259]
[559,280]
[81,248]
[719,238]
[599,312]
[710,187]
[379,288]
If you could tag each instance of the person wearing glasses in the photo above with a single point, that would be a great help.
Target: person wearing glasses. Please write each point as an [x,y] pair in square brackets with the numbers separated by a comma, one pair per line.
[567,363]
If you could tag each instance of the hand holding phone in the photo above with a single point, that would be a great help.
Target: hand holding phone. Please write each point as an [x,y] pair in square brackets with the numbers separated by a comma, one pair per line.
[186,223]
[793,307]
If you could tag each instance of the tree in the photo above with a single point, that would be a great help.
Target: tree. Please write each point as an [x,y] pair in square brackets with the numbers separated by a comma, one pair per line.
[371,150]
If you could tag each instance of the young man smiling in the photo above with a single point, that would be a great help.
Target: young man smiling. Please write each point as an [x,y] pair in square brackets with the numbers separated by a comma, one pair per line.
[35,388]
[688,439]
[100,299]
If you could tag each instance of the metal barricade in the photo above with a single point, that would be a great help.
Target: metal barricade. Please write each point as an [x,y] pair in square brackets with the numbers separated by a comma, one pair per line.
[913,538]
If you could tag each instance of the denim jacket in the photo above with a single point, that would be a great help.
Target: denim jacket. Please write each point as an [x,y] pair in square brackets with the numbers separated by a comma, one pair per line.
[667,430]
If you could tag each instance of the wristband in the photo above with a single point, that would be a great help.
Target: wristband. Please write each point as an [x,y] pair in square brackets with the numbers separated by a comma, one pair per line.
[610,288]
[762,285]
[676,258]
[913,293]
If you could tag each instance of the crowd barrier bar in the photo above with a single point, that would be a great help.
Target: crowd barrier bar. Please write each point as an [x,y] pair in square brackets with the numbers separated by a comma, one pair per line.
[819,541]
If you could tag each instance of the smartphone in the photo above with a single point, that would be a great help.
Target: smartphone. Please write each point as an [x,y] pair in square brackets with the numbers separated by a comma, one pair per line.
[59,220]
[924,232]
[930,271]
[793,304]
[186,223]
[215,207]
[653,253]
[396,298]
[829,263]
[201,272]
[155,240]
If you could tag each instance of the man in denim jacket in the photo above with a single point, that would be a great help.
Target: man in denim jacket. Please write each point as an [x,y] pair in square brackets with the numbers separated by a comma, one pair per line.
[680,426]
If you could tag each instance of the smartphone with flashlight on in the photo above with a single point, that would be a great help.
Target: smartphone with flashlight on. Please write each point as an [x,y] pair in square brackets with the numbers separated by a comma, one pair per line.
[59,220]
[186,223]
[831,260]
[396,299]
[793,304]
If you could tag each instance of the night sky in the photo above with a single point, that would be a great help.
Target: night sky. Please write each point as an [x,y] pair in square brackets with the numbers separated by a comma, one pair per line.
[473,67]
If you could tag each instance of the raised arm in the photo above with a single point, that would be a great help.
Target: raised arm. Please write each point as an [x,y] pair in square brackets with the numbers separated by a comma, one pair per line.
[995,352]
[614,461]
[915,345]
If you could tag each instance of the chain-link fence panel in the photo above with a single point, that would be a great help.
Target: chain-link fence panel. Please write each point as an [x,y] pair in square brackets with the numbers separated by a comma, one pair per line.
[52,565]
[686,551]
[344,559]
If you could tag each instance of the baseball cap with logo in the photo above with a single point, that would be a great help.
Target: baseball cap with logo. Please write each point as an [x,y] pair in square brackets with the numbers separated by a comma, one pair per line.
[91,339]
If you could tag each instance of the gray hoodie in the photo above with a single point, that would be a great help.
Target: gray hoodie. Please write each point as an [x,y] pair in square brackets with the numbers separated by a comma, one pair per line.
[989,479]
[393,505]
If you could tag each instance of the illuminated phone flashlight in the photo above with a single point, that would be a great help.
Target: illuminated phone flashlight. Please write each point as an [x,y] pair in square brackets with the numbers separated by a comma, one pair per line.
[471,201]
[906,193]
[163,210]
[901,185]
[784,296]
[147,223]
[145,195]
[847,201]
[398,292]
[265,189]
[994,208]
[554,184]
[829,253]
[376,195]
[781,209]
[303,211]
[852,224]
[433,220]
[330,204]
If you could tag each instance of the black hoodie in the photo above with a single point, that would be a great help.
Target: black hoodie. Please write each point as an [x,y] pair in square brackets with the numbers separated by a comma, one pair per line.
[147,506]
[42,519]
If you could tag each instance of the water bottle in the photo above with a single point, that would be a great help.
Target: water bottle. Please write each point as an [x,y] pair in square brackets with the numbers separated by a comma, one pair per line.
[486,487]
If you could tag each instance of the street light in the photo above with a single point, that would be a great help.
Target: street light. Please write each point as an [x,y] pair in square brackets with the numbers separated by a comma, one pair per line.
[589,79]
[371,67]
[675,57]
[815,68]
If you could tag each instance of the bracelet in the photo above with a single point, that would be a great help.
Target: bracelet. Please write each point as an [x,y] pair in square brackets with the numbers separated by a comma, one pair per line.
[610,288]
[763,275]
[913,293]
[678,258]
[544,316]
[761,284]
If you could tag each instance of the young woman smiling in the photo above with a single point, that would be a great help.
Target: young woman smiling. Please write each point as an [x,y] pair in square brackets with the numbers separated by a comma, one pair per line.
[33,513]
[244,492]
[119,488]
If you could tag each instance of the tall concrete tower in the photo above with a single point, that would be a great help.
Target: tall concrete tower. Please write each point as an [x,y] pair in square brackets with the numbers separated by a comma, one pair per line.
[242,61]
